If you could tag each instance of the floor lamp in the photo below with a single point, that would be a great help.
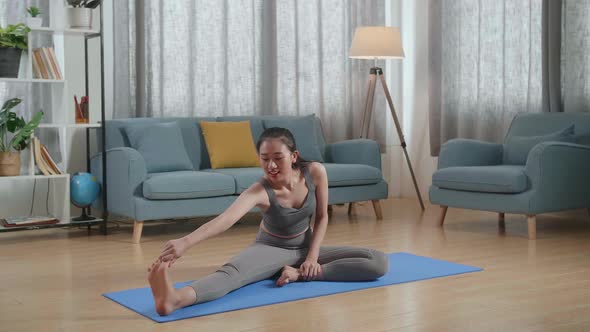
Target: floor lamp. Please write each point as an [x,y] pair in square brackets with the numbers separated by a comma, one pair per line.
[375,43]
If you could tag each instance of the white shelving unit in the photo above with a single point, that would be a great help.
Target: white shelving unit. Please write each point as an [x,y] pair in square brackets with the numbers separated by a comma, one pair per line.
[58,116]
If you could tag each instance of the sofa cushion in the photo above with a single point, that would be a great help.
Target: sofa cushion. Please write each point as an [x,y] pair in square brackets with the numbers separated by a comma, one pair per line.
[230,144]
[256,126]
[517,148]
[161,146]
[303,129]
[187,184]
[490,179]
[243,177]
[341,175]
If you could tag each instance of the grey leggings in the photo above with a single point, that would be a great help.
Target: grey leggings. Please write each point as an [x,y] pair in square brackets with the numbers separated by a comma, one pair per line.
[269,254]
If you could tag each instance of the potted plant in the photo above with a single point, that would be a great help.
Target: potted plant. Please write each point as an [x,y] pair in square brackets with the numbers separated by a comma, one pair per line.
[13,40]
[80,13]
[21,133]
[35,21]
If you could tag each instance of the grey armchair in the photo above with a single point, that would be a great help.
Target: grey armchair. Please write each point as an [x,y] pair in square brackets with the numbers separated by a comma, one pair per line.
[543,166]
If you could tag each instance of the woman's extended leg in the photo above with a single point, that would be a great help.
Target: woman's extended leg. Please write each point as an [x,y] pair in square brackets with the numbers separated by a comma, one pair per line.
[167,298]
[255,263]
[344,264]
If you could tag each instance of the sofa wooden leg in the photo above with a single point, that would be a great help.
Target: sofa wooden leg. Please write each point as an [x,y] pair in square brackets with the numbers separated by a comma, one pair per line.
[377,208]
[330,210]
[137,228]
[588,210]
[443,213]
[501,221]
[532,225]
[350,208]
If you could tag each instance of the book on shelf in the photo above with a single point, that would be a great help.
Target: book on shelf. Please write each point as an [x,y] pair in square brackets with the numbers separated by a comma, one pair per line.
[28,221]
[44,161]
[48,160]
[45,64]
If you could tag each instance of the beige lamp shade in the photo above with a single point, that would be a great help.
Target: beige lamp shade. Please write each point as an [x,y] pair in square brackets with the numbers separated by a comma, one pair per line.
[376,43]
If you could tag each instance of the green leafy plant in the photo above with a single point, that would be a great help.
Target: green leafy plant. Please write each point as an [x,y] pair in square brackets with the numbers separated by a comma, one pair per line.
[10,123]
[84,3]
[14,36]
[34,11]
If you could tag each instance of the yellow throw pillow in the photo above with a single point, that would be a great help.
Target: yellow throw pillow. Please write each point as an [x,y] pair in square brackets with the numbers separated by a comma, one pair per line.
[230,144]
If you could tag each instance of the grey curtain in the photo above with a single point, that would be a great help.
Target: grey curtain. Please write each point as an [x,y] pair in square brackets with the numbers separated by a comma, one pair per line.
[485,67]
[575,56]
[214,58]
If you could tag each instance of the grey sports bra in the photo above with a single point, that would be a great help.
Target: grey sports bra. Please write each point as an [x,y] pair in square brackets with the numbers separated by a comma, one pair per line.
[289,221]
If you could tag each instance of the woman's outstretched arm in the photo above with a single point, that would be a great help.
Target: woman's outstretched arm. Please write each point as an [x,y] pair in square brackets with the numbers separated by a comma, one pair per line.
[250,198]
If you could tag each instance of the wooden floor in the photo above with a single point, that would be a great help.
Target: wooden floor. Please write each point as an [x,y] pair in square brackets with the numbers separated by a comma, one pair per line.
[52,280]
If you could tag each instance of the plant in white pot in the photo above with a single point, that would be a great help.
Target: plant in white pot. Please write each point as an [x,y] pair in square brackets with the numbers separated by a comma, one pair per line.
[20,131]
[35,21]
[13,40]
[80,13]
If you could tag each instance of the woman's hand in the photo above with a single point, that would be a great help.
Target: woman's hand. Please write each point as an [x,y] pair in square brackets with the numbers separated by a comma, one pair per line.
[310,269]
[173,250]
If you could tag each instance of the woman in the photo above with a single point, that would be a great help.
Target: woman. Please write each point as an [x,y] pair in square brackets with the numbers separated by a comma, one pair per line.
[288,195]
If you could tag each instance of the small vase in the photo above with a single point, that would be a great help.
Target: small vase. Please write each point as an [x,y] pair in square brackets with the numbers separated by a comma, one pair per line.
[34,22]
[80,17]
[9,163]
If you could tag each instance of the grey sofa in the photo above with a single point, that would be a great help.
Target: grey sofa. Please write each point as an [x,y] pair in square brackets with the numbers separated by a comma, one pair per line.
[353,168]
[542,166]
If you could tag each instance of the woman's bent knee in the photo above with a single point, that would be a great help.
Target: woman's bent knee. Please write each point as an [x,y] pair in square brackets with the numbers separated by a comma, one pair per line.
[379,264]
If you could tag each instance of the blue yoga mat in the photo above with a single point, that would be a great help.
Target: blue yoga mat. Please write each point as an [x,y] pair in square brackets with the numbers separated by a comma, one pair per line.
[403,267]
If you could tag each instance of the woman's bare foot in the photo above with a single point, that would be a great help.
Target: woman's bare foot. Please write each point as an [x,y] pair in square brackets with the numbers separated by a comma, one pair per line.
[289,274]
[165,296]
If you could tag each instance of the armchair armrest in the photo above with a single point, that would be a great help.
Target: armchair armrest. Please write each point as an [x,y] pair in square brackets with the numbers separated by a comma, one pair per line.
[126,173]
[469,152]
[560,176]
[354,151]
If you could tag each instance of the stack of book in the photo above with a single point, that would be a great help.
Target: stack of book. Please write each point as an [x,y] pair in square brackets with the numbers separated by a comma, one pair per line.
[46,164]
[28,221]
[45,63]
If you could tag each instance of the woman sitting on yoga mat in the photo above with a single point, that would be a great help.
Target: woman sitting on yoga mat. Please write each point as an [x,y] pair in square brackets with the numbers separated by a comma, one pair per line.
[289,193]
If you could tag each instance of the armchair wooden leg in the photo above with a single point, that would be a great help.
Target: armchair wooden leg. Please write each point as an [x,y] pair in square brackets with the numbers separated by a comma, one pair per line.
[443,213]
[137,228]
[501,223]
[350,208]
[588,209]
[532,225]
[377,208]
[330,210]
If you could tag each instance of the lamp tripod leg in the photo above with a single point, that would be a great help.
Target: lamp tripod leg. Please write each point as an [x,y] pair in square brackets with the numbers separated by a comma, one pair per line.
[368,105]
[400,135]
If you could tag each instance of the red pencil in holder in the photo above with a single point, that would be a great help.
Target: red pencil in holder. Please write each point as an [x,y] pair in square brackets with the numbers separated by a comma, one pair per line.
[81,109]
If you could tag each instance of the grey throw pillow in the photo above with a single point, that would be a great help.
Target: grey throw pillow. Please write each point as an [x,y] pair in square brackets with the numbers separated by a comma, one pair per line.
[517,148]
[161,146]
[303,129]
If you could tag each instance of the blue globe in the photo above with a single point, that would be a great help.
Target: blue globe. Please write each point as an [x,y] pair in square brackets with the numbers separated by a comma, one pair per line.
[83,189]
